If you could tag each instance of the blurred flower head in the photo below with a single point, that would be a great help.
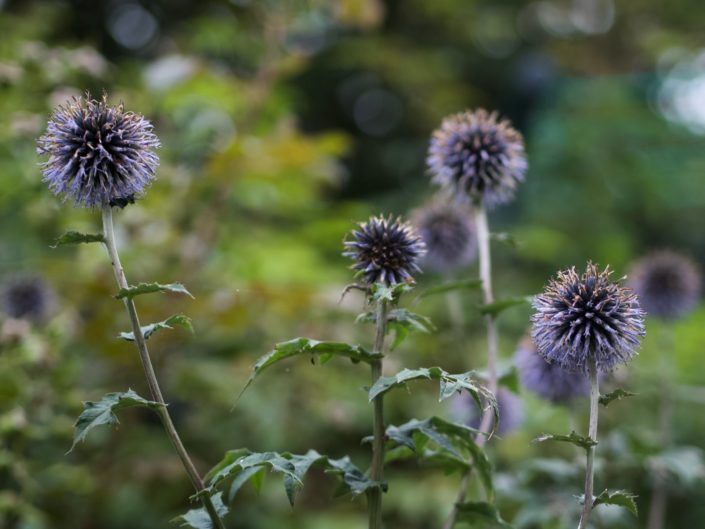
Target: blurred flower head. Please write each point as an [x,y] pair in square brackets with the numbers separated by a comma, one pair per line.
[463,408]
[449,233]
[477,155]
[26,297]
[668,284]
[548,380]
[385,250]
[587,317]
[98,154]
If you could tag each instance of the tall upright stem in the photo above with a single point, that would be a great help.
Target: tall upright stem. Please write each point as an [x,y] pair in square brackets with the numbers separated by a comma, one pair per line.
[374,496]
[483,243]
[592,434]
[151,376]
[659,496]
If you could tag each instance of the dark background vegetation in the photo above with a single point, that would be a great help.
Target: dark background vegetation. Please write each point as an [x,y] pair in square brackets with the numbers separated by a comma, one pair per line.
[283,123]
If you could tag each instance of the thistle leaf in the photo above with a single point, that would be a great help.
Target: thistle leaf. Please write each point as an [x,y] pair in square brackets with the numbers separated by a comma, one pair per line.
[149,288]
[74,237]
[573,438]
[617,394]
[199,518]
[149,330]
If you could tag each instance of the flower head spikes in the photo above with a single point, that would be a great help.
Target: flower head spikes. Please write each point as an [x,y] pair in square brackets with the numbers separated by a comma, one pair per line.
[26,297]
[449,233]
[548,380]
[477,155]
[583,317]
[385,250]
[98,154]
[668,284]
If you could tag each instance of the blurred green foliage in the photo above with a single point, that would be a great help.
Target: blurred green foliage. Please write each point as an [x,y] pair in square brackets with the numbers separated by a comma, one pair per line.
[282,124]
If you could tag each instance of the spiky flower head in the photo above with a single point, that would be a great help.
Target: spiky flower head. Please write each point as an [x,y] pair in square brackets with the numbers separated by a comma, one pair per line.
[26,297]
[385,250]
[463,408]
[449,233]
[668,284]
[476,154]
[548,380]
[98,154]
[583,318]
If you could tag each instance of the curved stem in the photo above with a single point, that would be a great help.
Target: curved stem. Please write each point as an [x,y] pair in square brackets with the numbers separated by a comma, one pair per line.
[374,496]
[592,434]
[485,258]
[151,376]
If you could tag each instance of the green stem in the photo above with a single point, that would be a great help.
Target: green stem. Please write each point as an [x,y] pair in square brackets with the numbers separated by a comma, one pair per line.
[374,496]
[485,258]
[151,376]
[592,434]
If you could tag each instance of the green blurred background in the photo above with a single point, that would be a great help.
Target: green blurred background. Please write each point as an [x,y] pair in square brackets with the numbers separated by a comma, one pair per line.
[283,123]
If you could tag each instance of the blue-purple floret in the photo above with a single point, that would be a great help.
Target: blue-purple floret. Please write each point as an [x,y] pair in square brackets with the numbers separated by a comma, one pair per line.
[548,380]
[385,250]
[98,154]
[587,317]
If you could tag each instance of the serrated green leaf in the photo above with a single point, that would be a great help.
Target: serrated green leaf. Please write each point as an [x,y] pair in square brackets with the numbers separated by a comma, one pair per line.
[103,412]
[499,306]
[238,465]
[199,518]
[621,498]
[617,394]
[149,330]
[573,438]
[149,288]
[455,444]
[389,293]
[402,322]
[481,515]
[450,286]
[253,474]
[74,237]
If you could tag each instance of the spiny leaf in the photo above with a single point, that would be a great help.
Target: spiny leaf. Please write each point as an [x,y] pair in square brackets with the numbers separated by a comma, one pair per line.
[239,464]
[455,442]
[392,293]
[148,288]
[573,438]
[621,498]
[401,321]
[199,518]
[149,330]
[74,237]
[103,412]
[481,515]
[450,286]
[449,385]
[617,394]
[499,306]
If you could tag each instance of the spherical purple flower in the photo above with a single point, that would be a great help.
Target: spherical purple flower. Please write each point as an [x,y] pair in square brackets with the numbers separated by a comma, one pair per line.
[587,317]
[548,380]
[463,408]
[477,155]
[98,154]
[668,284]
[26,297]
[449,233]
[385,250]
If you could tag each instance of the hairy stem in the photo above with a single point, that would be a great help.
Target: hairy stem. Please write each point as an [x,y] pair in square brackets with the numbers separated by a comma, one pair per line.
[592,434]
[151,376]
[374,496]
[485,258]
[659,496]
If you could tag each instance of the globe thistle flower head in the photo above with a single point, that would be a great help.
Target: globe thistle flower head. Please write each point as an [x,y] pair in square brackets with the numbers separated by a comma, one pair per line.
[668,284]
[587,317]
[476,154]
[449,234]
[548,380]
[98,154]
[463,408]
[26,297]
[385,250]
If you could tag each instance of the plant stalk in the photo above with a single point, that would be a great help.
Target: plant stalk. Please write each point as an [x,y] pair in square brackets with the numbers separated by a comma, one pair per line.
[374,495]
[592,434]
[154,389]
[485,258]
